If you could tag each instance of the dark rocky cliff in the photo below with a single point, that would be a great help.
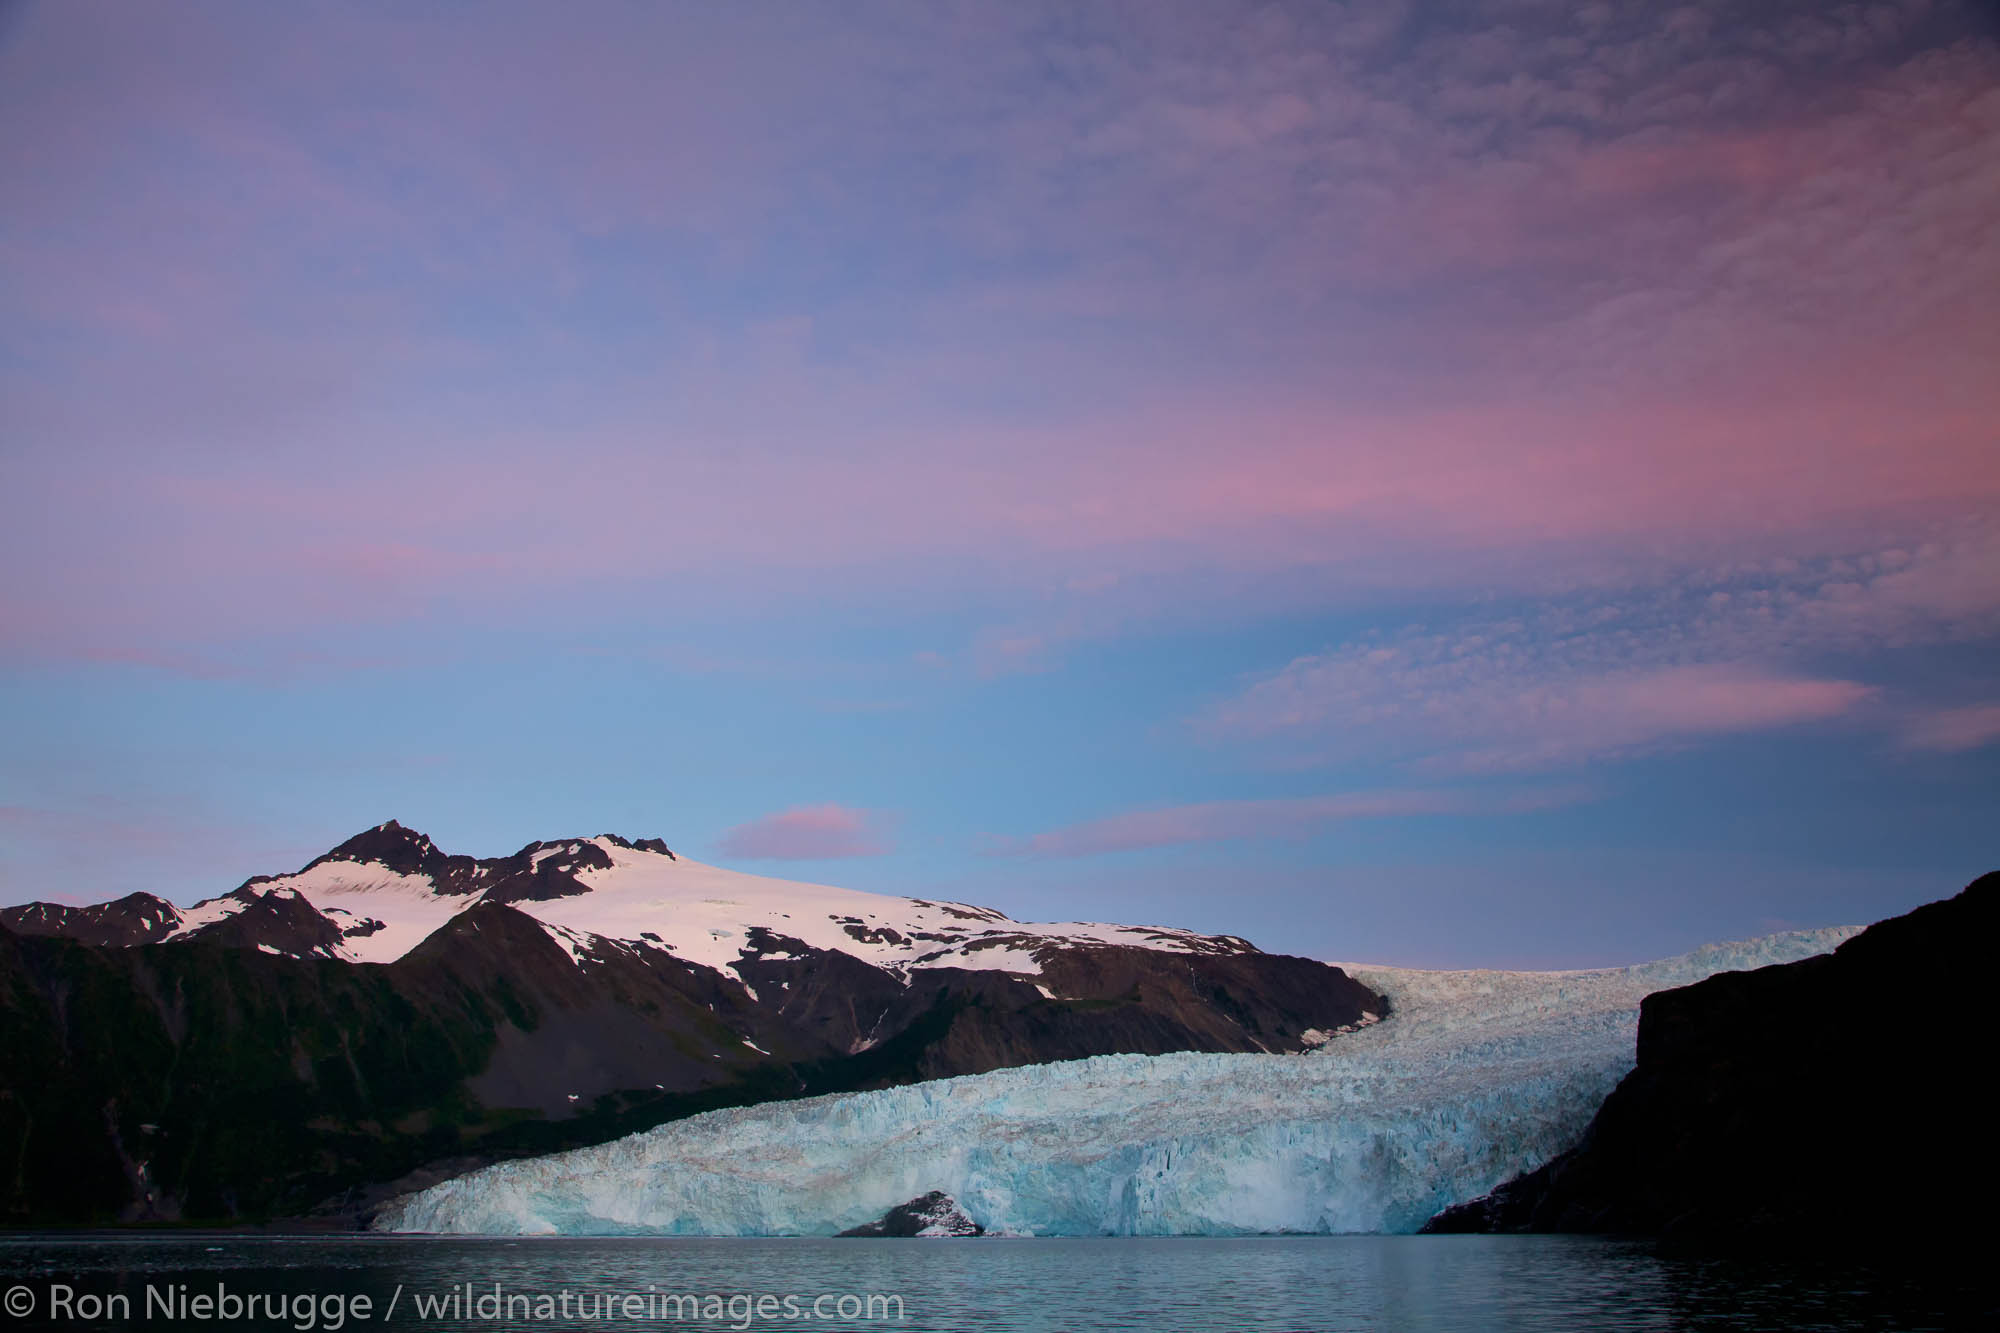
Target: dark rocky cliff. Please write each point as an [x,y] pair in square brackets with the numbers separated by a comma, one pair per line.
[1840,1100]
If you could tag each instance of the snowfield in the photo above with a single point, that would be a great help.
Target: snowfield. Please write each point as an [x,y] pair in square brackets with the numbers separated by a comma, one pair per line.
[701,913]
[705,914]
[1473,1078]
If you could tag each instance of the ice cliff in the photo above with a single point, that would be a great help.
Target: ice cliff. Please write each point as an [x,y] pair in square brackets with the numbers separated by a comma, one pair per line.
[1474,1078]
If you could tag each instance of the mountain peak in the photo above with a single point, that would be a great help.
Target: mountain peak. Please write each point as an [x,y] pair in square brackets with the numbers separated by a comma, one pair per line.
[389,844]
[656,845]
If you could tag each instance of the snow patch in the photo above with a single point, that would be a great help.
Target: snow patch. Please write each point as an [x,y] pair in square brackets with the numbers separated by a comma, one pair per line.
[577,944]
[207,913]
[408,906]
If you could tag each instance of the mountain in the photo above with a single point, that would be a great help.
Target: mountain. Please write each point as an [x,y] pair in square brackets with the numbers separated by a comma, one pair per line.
[137,918]
[308,1040]
[379,894]
[1472,1078]
[1836,1102]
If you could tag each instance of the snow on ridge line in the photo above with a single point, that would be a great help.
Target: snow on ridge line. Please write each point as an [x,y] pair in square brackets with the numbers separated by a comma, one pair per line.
[1463,1086]
[705,914]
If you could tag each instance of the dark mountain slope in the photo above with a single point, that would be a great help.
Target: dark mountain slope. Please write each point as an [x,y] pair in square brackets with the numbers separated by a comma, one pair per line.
[197,1080]
[137,918]
[203,1081]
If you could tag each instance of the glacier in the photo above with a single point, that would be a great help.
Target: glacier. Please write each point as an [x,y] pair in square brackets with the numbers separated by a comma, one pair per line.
[1473,1078]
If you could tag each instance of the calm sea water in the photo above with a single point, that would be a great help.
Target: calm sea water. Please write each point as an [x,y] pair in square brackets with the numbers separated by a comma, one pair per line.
[1288,1285]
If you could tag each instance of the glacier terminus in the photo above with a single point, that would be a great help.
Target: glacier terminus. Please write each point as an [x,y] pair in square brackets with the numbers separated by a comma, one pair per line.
[1471,1079]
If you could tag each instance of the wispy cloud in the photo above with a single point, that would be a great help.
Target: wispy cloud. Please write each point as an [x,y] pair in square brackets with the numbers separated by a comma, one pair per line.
[1291,817]
[1468,706]
[809,833]
[1953,729]
[1592,677]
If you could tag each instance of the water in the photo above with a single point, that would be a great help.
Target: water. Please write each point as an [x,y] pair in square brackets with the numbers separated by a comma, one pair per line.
[1283,1284]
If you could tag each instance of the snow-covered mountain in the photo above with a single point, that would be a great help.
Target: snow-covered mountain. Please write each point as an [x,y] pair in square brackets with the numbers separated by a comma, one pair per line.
[840,967]
[1473,1078]
[380,894]
[405,1007]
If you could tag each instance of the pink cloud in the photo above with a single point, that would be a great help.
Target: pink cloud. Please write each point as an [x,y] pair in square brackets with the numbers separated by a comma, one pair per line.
[1695,350]
[1599,672]
[808,833]
[1433,497]
[1221,821]
[1954,729]
[1700,699]
[1583,681]
[1610,716]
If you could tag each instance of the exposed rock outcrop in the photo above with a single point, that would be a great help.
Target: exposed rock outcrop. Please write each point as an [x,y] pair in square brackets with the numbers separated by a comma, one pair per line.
[933,1214]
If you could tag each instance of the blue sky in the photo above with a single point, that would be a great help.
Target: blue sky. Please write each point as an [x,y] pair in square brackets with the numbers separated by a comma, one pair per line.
[1513,490]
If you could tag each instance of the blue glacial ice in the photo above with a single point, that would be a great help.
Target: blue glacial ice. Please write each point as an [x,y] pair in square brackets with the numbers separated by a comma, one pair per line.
[1473,1078]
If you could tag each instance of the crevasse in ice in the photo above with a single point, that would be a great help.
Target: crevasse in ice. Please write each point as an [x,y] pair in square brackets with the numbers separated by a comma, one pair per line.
[1474,1077]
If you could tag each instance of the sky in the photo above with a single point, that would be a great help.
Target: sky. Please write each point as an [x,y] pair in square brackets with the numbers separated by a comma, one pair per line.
[1491,483]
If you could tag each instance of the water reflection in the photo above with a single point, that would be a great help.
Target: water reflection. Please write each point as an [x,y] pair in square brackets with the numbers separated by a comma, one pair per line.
[1288,1285]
